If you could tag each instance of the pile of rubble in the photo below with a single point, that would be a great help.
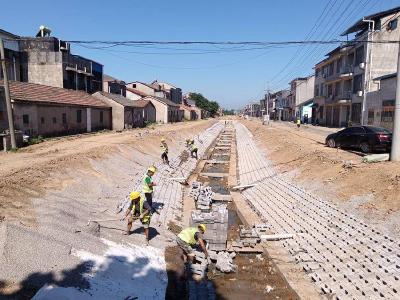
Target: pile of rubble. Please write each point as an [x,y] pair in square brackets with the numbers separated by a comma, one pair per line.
[249,239]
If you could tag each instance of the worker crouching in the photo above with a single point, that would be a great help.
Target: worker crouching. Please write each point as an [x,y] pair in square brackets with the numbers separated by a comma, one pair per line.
[191,237]
[193,149]
[140,209]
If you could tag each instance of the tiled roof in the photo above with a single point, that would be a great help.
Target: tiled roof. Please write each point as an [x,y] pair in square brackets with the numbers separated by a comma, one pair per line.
[122,100]
[163,100]
[33,92]
[137,92]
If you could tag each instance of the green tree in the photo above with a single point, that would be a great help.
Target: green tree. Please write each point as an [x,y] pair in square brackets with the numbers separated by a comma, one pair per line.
[203,103]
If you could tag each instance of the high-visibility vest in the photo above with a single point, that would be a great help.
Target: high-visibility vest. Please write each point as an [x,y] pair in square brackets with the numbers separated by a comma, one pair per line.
[145,187]
[187,235]
[146,218]
[164,148]
[193,148]
[141,202]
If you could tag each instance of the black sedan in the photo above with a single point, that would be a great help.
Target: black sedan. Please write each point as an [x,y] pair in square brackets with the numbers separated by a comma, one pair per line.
[366,138]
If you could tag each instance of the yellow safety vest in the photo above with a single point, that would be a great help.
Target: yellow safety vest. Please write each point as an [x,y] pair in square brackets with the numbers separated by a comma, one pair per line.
[193,147]
[187,235]
[145,187]
[141,201]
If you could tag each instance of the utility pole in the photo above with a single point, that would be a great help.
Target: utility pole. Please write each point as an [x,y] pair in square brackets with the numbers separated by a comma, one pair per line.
[7,94]
[395,152]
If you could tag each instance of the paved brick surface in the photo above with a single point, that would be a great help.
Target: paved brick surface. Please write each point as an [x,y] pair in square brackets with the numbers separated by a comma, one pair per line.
[168,194]
[343,256]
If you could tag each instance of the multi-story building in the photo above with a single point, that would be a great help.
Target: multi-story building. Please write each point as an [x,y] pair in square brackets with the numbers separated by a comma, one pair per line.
[301,96]
[333,87]
[253,109]
[114,86]
[170,91]
[283,109]
[48,61]
[12,55]
[346,76]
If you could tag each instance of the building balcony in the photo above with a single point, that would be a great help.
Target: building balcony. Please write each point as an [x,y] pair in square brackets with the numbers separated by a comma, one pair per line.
[346,72]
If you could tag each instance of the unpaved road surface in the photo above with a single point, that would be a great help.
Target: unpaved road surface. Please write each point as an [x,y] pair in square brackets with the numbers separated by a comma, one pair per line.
[370,191]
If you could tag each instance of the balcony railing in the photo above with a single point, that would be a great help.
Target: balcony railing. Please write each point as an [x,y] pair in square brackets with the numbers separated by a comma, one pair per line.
[346,95]
[346,70]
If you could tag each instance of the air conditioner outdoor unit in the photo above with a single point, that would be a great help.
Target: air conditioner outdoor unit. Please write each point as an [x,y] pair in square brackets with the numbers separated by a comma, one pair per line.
[360,93]
[361,65]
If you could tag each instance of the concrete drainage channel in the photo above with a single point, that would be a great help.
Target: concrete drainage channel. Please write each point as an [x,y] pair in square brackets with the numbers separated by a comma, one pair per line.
[239,267]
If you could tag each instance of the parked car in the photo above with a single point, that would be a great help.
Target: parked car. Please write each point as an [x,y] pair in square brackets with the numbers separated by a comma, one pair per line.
[366,138]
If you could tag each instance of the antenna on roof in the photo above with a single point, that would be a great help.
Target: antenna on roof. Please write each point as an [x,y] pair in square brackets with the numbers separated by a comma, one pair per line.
[43,31]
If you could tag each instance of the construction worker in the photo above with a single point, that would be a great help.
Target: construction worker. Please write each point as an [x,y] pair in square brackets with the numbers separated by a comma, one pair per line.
[140,209]
[193,149]
[164,149]
[298,122]
[148,185]
[189,238]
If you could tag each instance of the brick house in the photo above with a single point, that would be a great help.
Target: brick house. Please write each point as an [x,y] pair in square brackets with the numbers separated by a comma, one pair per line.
[52,111]
[166,110]
[128,113]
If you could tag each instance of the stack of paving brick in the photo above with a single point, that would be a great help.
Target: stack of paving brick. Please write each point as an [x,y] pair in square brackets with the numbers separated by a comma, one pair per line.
[198,267]
[202,195]
[248,237]
[344,256]
[217,226]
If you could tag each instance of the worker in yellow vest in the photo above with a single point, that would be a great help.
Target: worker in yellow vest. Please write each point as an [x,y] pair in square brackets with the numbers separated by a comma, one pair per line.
[193,149]
[148,185]
[298,122]
[164,149]
[189,238]
[140,209]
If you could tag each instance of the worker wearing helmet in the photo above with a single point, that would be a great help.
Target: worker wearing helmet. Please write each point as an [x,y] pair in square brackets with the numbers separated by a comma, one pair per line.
[148,184]
[193,149]
[189,238]
[164,149]
[140,209]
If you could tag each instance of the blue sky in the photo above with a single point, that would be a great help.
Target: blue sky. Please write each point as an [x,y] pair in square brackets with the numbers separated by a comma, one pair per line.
[230,77]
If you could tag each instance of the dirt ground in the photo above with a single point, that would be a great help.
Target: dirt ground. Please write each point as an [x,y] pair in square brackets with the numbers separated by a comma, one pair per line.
[371,191]
[32,170]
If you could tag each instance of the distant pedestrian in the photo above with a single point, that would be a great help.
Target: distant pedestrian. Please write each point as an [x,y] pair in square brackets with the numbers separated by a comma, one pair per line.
[298,122]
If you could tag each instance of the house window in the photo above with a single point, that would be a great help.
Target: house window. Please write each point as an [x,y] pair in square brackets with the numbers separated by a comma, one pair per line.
[329,90]
[25,119]
[134,85]
[330,69]
[387,111]
[1,115]
[371,116]
[79,116]
[54,120]
[357,83]
[42,120]
[321,112]
[101,117]
[64,118]
[359,55]
[392,25]
[316,72]
[356,113]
